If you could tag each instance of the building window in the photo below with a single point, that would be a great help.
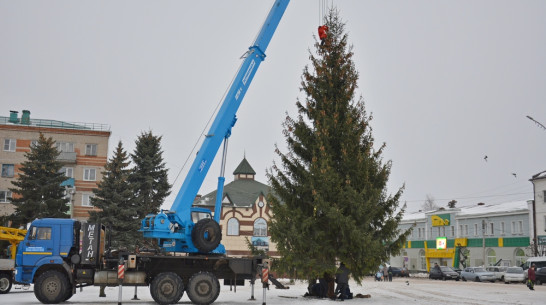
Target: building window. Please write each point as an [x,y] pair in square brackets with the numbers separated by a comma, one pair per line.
[452,231]
[5,196]
[475,229]
[423,260]
[90,149]
[9,144]
[520,227]
[460,230]
[65,146]
[491,229]
[7,170]
[89,174]
[544,196]
[260,227]
[520,257]
[502,228]
[465,230]
[233,226]
[86,200]
[68,172]
[491,257]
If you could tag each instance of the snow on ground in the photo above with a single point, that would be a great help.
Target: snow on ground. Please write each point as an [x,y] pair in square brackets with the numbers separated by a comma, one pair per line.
[414,291]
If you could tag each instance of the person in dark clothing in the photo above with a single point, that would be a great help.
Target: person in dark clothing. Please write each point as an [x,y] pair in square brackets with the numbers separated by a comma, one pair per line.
[342,280]
[532,277]
[390,274]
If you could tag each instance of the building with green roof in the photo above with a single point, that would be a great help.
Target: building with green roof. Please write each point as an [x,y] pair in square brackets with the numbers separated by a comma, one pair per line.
[245,213]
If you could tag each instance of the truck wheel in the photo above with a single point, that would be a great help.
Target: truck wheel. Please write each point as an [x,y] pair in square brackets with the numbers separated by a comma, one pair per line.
[203,288]
[51,287]
[167,288]
[69,294]
[5,283]
[206,235]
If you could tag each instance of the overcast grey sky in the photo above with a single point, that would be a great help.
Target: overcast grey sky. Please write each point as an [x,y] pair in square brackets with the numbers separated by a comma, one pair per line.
[447,82]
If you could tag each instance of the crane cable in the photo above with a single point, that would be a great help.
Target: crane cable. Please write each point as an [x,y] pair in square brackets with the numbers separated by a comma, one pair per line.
[323,9]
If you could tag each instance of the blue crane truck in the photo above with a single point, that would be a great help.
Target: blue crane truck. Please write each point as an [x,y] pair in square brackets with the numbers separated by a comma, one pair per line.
[60,255]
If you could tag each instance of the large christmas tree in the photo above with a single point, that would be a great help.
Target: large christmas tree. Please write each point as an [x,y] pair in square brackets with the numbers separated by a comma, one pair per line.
[38,191]
[114,197]
[331,202]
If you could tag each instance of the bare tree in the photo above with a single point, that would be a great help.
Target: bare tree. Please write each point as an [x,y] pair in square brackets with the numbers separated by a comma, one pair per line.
[429,204]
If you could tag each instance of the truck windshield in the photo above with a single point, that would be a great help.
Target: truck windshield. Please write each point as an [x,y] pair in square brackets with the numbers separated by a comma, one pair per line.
[196,216]
[43,233]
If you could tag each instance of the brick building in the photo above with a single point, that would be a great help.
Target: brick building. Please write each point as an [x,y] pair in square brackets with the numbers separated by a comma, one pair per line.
[245,212]
[84,152]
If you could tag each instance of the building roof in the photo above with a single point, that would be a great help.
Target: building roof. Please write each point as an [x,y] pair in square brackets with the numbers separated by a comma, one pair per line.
[19,121]
[240,193]
[540,175]
[507,207]
[474,210]
[244,168]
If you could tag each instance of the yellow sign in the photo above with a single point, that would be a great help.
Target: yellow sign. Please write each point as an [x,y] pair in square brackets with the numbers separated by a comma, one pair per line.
[440,220]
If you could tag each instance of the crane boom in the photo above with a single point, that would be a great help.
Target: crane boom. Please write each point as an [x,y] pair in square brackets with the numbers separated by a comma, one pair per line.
[175,229]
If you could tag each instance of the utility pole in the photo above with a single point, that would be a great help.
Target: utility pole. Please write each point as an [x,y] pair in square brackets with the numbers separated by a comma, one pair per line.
[483,240]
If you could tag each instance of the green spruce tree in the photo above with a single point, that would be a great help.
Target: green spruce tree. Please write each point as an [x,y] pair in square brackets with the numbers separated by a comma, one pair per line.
[114,199]
[331,202]
[38,192]
[149,178]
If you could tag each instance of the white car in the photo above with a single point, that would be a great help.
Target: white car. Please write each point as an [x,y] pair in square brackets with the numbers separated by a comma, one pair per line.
[478,274]
[514,274]
[499,271]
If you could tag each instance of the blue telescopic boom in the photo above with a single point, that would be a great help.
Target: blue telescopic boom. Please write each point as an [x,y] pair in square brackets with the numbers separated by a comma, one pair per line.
[174,228]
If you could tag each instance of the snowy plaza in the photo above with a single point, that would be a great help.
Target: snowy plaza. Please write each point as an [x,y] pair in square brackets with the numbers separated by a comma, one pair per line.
[414,291]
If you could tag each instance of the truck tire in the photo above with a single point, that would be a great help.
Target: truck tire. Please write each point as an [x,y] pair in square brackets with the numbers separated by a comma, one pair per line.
[51,287]
[5,283]
[167,288]
[203,288]
[206,235]
[69,294]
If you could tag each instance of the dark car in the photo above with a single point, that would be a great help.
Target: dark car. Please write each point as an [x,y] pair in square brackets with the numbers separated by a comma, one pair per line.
[400,271]
[540,276]
[444,273]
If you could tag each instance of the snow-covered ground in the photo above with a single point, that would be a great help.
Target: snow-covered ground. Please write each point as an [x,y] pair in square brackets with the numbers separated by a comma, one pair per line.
[415,291]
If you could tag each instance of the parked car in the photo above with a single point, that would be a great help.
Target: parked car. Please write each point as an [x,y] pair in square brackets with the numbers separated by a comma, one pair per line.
[540,275]
[514,274]
[444,273]
[400,271]
[478,274]
[499,271]
[539,262]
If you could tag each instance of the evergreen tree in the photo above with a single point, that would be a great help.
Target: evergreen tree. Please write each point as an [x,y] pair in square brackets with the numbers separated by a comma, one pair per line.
[149,177]
[38,192]
[114,197]
[331,202]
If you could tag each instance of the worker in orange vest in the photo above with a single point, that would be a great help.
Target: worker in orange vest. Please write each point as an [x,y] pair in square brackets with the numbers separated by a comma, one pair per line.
[322,33]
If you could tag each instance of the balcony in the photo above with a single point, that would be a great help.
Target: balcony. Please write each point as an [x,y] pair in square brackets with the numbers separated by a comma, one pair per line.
[67,157]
